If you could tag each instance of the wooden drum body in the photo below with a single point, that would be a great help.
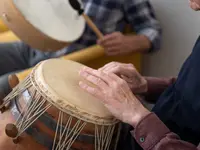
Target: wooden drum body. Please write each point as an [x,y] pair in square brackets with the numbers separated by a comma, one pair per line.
[45,25]
[56,113]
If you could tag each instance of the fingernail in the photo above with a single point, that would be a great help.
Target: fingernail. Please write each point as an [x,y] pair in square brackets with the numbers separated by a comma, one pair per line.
[81,84]
[80,72]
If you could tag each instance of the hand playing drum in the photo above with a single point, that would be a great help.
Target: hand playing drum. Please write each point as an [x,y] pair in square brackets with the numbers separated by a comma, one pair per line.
[127,72]
[115,94]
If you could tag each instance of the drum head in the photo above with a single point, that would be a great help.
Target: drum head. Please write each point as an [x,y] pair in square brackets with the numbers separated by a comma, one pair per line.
[55,18]
[59,80]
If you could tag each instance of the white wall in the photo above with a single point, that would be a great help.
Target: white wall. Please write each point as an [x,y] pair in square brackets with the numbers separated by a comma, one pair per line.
[181,27]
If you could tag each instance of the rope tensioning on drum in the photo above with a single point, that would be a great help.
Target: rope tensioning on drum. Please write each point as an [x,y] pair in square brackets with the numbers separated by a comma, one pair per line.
[8,82]
[48,120]
[67,136]
[64,141]
[40,103]
[18,89]
[38,135]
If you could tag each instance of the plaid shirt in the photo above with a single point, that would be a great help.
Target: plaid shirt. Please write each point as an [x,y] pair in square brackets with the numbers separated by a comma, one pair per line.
[113,15]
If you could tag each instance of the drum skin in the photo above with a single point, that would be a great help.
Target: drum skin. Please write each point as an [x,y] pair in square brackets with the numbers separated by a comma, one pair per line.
[25,31]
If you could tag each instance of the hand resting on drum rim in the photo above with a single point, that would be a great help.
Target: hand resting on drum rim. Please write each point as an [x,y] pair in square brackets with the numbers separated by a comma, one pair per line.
[115,94]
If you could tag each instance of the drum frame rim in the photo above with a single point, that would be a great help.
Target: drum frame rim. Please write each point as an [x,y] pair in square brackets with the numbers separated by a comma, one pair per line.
[22,21]
[69,41]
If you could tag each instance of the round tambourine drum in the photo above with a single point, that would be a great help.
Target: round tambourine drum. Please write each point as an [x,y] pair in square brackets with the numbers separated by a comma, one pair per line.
[47,25]
[49,111]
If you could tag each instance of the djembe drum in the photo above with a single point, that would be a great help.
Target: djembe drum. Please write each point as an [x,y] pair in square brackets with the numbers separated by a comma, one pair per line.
[48,110]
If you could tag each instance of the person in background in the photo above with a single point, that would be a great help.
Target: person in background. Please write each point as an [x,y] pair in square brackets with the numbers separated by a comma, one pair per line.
[110,16]
[172,124]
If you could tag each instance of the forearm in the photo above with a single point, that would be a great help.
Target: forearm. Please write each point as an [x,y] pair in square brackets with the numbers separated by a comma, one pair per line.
[152,134]
[138,43]
[156,86]
[144,24]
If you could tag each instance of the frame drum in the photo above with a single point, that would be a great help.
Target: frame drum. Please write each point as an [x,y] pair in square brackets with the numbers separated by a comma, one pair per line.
[47,25]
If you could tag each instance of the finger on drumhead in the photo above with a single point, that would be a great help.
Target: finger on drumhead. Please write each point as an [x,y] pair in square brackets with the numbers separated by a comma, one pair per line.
[99,74]
[89,89]
[128,71]
[113,70]
[121,70]
[113,65]
[95,80]
[109,65]
[105,66]
[85,70]
[115,78]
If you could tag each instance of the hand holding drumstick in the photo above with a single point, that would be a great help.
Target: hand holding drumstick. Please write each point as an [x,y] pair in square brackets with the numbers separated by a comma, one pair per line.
[115,43]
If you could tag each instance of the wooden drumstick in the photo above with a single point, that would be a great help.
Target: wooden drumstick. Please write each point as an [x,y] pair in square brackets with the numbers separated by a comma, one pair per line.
[76,5]
[93,26]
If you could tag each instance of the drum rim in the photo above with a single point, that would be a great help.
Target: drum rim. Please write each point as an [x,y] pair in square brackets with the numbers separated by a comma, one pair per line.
[9,9]
[71,110]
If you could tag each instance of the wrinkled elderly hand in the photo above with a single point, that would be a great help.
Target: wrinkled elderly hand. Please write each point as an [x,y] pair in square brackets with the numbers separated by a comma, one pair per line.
[115,94]
[128,72]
